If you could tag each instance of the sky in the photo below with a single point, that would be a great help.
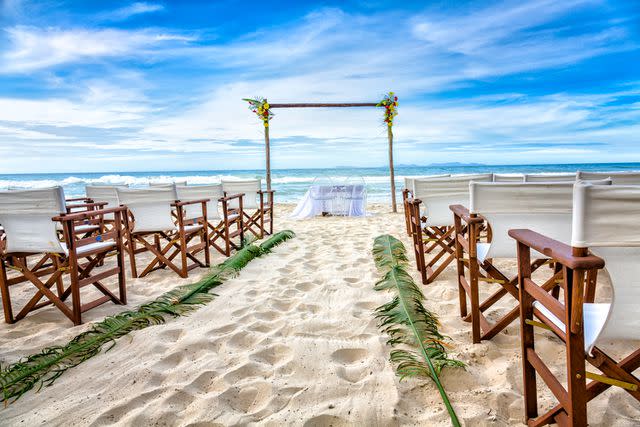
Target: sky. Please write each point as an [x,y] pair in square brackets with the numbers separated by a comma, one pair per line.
[145,86]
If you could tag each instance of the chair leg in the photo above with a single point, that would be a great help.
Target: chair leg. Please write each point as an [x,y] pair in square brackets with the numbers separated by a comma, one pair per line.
[462,296]
[75,289]
[4,289]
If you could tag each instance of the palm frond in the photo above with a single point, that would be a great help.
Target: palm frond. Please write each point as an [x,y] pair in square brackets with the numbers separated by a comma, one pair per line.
[388,251]
[43,368]
[408,323]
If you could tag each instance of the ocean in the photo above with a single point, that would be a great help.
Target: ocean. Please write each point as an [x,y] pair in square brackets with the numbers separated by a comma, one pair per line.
[290,184]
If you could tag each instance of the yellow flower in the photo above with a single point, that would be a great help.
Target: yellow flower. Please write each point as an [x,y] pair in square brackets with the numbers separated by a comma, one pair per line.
[266,124]
[266,105]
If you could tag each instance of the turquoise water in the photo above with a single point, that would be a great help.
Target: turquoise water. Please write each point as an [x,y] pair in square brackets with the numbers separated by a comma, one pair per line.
[290,184]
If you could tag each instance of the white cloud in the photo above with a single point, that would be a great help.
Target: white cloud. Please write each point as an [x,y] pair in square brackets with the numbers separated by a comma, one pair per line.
[133,9]
[34,48]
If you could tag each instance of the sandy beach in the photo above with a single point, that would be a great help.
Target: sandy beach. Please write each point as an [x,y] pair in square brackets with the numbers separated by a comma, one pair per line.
[291,341]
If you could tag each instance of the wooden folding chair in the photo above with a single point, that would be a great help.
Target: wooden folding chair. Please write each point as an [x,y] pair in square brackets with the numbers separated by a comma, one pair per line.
[31,251]
[606,223]
[502,206]
[150,217]
[407,195]
[257,205]
[224,226]
[432,223]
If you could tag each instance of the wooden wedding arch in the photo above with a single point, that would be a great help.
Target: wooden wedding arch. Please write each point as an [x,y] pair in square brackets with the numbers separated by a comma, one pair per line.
[262,108]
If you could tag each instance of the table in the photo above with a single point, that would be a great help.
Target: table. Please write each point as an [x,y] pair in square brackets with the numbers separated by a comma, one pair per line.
[337,200]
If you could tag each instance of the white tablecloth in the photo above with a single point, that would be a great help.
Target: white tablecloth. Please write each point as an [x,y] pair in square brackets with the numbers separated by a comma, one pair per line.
[344,200]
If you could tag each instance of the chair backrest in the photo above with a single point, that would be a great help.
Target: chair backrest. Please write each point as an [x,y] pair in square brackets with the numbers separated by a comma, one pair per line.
[503,177]
[408,180]
[438,194]
[26,216]
[624,178]
[543,207]
[550,177]
[474,176]
[104,193]
[151,207]
[250,188]
[607,221]
[165,184]
[213,192]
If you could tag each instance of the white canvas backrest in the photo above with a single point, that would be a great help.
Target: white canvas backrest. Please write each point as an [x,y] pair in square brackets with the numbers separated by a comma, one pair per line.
[548,177]
[606,219]
[250,188]
[409,180]
[213,192]
[438,194]
[151,207]
[474,176]
[542,207]
[503,177]
[104,193]
[26,216]
[623,178]
[166,184]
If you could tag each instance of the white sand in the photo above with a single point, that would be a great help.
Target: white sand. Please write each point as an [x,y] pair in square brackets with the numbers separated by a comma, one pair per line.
[291,341]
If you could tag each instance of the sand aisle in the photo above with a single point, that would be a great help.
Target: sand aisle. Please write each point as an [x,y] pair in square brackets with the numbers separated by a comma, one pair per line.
[291,341]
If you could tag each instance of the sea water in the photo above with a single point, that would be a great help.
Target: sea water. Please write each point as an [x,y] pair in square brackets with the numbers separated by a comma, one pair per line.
[290,184]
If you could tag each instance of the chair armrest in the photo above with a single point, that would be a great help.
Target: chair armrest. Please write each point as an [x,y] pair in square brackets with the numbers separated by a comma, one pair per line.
[462,212]
[267,191]
[233,196]
[79,199]
[87,205]
[556,250]
[88,214]
[189,202]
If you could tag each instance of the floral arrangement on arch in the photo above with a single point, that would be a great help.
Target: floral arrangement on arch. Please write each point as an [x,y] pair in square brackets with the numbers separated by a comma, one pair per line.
[261,108]
[390,104]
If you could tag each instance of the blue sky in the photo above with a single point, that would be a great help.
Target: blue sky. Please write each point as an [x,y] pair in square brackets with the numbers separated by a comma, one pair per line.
[129,86]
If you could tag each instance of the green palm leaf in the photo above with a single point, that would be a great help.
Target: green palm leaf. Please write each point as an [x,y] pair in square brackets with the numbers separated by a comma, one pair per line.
[408,323]
[43,368]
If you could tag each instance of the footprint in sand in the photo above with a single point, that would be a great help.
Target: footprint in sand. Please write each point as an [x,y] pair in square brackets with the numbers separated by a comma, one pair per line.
[275,355]
[250,370]
[249,398]
[304,286]
[352,364]
[325,420]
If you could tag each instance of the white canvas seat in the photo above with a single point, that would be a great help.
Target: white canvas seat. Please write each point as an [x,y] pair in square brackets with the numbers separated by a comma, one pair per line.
[32,247]
[618,178]
[257,205]
[605,233]
[550,177]
[432,222]
[151,211]
[219,218]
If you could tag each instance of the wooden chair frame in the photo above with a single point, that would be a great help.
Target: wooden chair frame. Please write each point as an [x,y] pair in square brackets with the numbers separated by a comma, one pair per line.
[223,229]
[178,241]
[407,196]
[580,270]
[426,240]
[254,223]
[51,269]
[468,228]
